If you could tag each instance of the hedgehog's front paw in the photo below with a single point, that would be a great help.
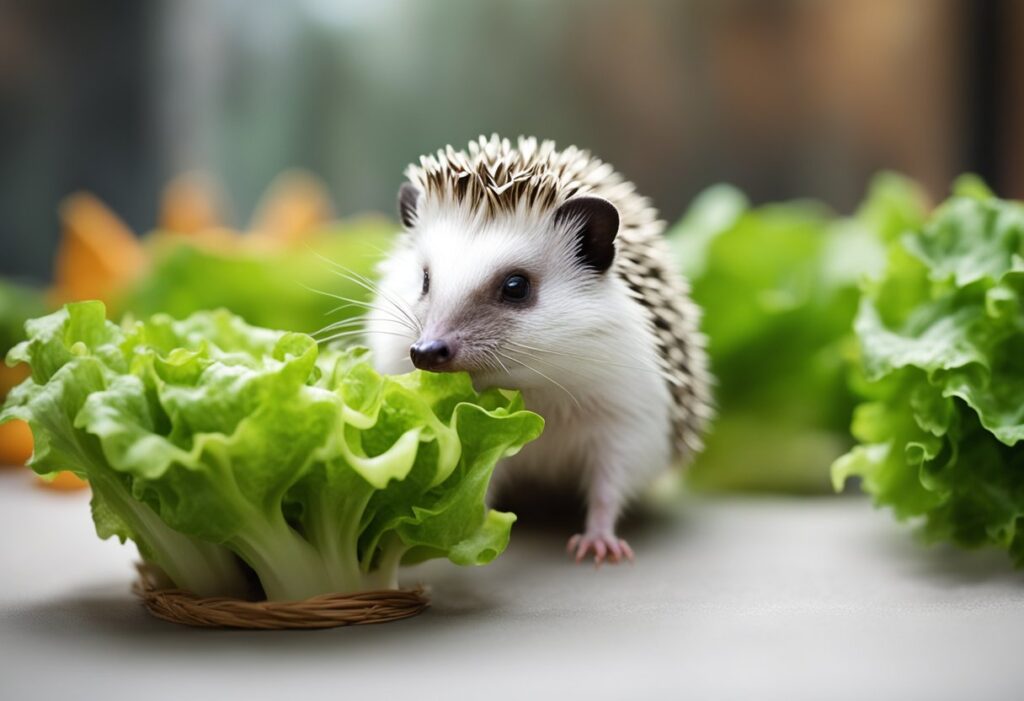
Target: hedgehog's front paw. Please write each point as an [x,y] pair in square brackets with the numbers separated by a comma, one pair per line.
[603,545]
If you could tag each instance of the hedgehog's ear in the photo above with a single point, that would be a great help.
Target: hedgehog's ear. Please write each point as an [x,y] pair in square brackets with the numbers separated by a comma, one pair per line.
[408,195]
[595,222]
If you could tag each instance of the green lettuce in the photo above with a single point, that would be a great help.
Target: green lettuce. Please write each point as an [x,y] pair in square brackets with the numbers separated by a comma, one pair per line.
[225,450]
[778,285]
[942,349]
[276,289]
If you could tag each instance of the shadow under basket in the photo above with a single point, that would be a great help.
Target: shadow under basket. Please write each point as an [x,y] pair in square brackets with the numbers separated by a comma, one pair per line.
[325,611]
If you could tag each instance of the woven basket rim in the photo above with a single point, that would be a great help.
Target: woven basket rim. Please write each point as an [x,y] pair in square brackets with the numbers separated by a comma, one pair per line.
[324,611]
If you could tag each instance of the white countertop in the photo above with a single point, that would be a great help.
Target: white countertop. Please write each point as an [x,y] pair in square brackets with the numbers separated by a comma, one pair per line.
[771,598]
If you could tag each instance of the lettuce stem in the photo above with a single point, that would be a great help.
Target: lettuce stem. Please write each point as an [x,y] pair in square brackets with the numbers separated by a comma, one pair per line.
[288,567]
[197,566]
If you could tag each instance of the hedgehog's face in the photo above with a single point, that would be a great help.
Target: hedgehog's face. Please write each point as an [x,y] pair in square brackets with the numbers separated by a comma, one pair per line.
[493,295]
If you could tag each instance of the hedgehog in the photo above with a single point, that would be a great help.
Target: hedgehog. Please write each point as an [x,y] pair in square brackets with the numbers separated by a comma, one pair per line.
[543,270]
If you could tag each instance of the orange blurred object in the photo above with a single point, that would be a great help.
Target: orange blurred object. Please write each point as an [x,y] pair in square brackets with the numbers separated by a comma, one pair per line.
[191,203]
[15,436]
[11,376]
[217,239]
[98,254]
[294,205]
[15,443]
[64,482]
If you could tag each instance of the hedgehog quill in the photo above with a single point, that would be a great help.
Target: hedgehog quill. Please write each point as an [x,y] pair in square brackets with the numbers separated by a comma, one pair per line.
[543,270]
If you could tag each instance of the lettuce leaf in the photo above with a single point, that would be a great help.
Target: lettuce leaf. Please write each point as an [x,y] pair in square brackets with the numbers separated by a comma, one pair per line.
[212,443]
[941,336]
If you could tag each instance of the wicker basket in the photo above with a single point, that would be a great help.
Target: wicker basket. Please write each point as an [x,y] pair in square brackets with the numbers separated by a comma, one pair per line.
[326,611]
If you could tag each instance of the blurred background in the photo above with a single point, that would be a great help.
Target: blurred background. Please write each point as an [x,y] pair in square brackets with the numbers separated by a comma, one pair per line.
[783,98]
[796,104]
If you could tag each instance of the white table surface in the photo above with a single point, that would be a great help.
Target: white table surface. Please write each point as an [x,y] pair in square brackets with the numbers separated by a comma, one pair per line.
[771,598]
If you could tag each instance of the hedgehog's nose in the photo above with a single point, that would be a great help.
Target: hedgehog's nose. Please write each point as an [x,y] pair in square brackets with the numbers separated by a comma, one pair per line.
[431,355]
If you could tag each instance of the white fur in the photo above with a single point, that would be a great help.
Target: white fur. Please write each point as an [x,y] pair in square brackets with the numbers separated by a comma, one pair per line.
[604,400]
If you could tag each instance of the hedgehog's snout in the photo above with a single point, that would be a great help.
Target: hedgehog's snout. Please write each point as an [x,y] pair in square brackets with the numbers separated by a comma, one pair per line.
[432,354]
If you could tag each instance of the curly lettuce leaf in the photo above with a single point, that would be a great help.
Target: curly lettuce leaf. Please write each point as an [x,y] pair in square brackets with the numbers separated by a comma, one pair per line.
[73,354]
[258,447]
[942,347]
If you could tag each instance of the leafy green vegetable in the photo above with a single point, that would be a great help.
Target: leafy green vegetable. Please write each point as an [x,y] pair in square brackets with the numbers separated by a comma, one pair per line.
[942,347]
[779,286]
[208,440]
[271,288]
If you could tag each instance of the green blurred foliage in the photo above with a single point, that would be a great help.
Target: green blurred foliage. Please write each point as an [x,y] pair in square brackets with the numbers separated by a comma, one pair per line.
[293,289]
[17,304]
[779,288]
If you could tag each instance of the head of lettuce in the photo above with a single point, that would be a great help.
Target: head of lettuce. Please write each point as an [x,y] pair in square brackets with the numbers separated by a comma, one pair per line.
[941,335]
[226,451]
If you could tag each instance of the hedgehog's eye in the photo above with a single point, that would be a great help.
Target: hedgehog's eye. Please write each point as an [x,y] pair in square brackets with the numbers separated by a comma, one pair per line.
[426,282]
[516,288]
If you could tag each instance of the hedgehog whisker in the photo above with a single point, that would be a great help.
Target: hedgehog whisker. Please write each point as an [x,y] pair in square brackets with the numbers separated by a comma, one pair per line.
[372,287]
[340,298]
[365,305]
[345,322]
[358,332]
[327,330]
[558,366]
[538,358]
[599,361]
[340,308]
[576,356]
[369,306]
[490,352]
[348,273]
[386,315]
[546,377]
[503,366]
[353,322]
[377,249]
[381,294]
[343,307]
[488,363]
